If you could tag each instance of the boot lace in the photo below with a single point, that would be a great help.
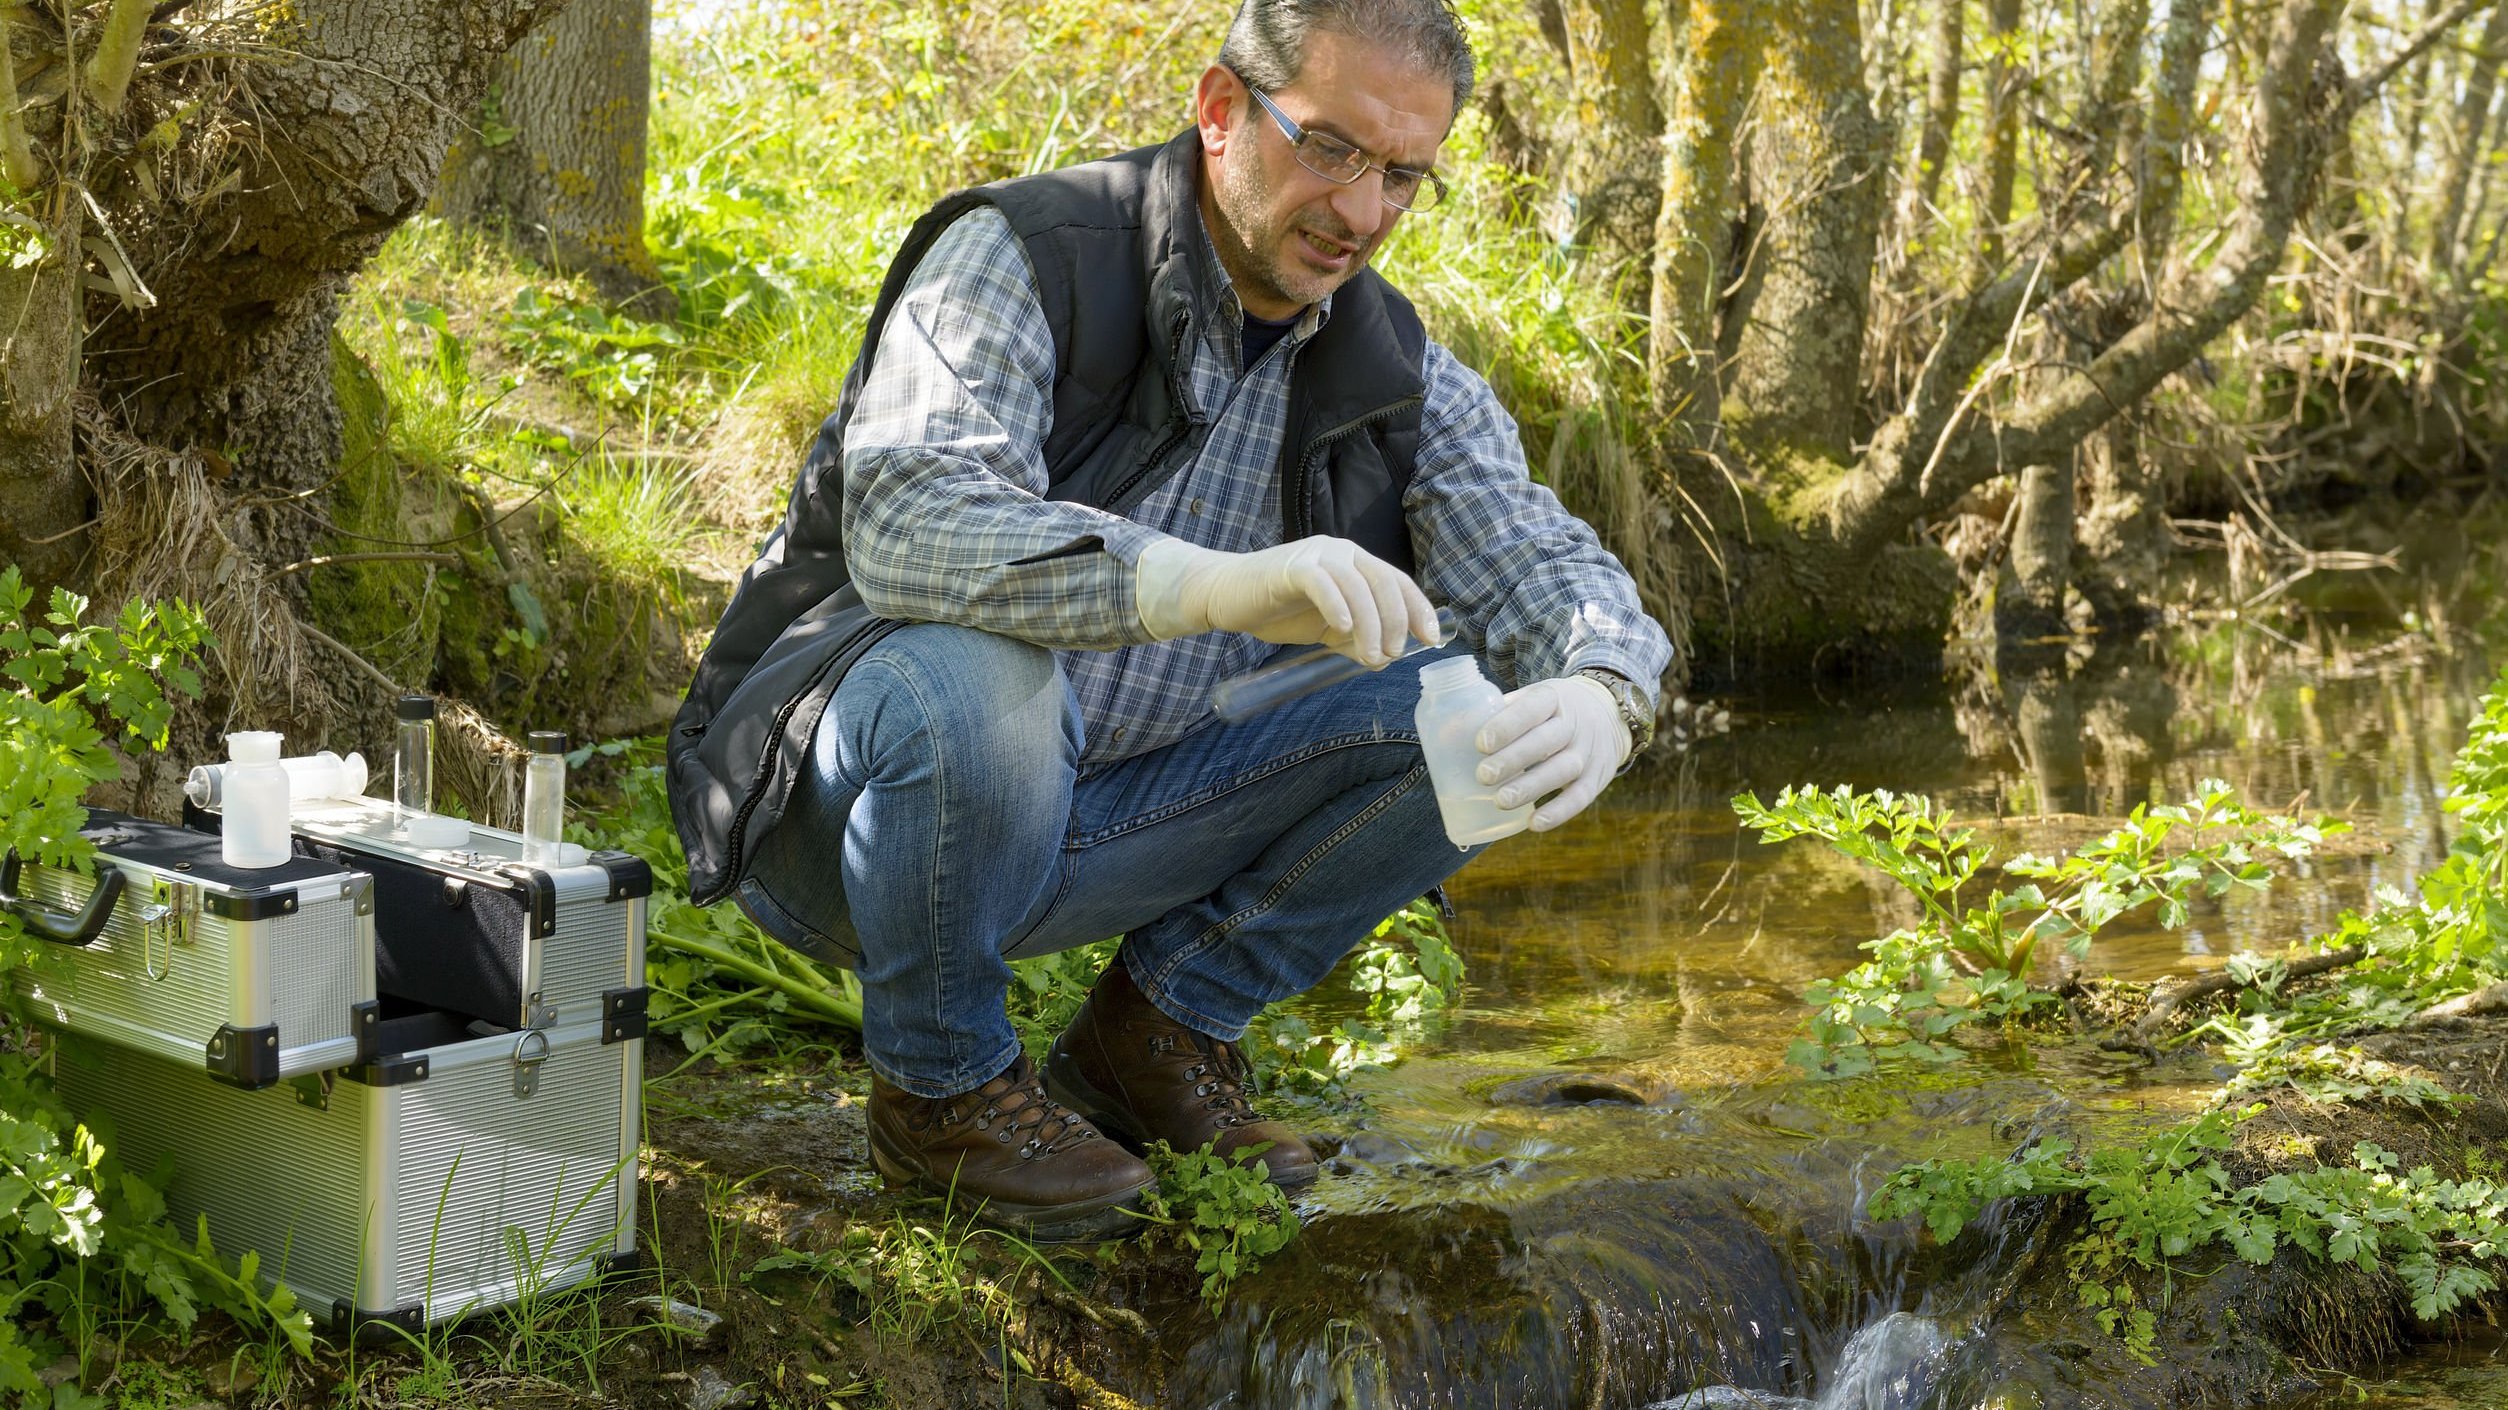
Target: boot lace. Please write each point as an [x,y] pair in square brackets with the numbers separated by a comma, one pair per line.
[1015,1105]
[1222,1080]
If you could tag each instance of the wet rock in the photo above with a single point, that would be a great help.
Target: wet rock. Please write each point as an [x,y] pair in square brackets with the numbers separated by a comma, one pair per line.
[708,1390]
[1577,1089]
[1731,1398]
[702,1326]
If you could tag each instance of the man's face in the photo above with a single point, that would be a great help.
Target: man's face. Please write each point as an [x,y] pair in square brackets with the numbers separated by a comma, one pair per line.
[1287,236]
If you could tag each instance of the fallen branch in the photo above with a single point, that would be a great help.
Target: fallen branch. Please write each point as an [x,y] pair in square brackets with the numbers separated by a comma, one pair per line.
[2220,981]
[2477,1004]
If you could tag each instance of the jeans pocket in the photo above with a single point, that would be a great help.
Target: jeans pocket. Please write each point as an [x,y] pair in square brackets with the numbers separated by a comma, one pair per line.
[770,915]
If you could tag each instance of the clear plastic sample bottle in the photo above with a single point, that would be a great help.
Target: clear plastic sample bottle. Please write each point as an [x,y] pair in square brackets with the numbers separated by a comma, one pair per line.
[413,756]
[544,797]
[1455,700]
[253,832]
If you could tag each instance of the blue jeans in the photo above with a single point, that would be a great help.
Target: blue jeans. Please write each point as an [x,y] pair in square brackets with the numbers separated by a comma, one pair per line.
[944,827]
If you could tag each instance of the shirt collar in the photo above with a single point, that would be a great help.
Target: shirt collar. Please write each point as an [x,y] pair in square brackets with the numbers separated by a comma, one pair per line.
[1230,323]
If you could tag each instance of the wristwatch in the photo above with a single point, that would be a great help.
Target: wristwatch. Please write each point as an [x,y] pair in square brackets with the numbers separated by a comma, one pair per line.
[1633,710]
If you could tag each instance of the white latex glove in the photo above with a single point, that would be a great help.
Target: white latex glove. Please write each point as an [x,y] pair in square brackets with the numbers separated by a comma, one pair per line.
[1560,737]
[1319,590]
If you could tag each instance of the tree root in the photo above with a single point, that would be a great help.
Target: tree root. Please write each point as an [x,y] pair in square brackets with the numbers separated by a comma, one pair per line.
[2139,1041]
[2477,1004]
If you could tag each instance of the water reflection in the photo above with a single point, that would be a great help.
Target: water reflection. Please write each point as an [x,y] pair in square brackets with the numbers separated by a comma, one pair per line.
[1602,1174]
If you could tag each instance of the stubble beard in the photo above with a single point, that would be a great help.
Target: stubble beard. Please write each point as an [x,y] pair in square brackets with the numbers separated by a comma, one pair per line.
[1261,246]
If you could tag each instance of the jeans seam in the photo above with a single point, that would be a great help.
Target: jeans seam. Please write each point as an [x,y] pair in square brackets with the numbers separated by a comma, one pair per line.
[942,976]
[766,894]
[1156,986]
[1215,792]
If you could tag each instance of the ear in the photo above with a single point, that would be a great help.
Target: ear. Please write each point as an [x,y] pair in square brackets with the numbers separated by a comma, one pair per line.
[1219,104]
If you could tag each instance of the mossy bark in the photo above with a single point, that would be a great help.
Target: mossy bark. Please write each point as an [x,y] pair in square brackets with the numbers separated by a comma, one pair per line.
[1816,194]
[44,500]
[1612,168]
[557,155]
[1694,231]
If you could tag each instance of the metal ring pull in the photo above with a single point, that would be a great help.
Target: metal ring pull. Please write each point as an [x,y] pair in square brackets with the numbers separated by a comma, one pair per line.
[531,1049]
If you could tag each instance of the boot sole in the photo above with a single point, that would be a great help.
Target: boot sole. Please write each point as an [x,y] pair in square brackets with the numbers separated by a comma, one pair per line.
[1109,1216]
[1064,1084]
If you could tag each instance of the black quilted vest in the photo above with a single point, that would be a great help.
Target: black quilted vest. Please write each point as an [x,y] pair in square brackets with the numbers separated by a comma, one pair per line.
[1113,247]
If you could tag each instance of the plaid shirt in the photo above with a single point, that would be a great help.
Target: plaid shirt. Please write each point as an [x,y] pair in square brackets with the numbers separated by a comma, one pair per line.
[945,519]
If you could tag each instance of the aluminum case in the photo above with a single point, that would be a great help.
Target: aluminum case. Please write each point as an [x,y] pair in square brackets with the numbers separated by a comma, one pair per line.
[456,1174]
[246,975]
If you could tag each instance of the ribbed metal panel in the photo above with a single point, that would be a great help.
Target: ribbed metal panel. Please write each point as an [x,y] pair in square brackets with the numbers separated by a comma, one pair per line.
[292,1181]
[303,971]
[591,952]
[494,1194]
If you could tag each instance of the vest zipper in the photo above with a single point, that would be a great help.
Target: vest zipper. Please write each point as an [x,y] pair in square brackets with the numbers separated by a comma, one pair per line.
[1117,502]
[1297,507]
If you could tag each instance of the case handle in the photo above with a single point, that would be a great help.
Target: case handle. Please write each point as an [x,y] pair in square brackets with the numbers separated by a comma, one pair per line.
[80,927]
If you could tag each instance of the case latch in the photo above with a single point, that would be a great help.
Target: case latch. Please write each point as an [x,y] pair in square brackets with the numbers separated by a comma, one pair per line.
[531,1051]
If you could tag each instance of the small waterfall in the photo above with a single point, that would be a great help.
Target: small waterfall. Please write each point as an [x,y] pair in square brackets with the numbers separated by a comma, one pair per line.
[1891,1364]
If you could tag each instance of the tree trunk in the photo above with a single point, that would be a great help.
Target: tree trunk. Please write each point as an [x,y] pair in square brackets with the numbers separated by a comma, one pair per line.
[45,503]
[2042,554]
[2414,115]
[1693,243]
[558,156]
[2002,133]
[1933,144]
[1613,169]
[2473,115]
[1815,218]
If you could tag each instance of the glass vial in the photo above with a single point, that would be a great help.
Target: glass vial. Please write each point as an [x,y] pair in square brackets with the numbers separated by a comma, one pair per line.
[413,756]
[253,833]
[544,797]
[1455,700]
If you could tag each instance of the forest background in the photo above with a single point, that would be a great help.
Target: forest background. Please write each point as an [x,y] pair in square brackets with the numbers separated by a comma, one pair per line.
[426,361]
[469,346]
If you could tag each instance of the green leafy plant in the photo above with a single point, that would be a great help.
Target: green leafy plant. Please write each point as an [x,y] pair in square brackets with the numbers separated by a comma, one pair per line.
[83,1240]
[615,358]
[717,983]
[1969,959]
[1222,1208]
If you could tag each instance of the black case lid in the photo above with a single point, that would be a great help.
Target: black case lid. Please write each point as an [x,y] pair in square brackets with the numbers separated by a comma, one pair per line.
[195,856]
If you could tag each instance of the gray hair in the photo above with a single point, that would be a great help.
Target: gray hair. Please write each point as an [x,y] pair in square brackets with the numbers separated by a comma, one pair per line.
[1266,43]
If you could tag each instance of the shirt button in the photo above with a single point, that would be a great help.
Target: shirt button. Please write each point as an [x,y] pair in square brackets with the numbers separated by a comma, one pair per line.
[1196,505]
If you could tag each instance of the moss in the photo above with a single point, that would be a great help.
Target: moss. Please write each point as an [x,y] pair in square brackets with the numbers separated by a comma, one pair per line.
[389,612]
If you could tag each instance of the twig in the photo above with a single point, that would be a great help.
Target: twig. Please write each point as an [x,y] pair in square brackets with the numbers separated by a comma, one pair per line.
[326,560]
[350,652]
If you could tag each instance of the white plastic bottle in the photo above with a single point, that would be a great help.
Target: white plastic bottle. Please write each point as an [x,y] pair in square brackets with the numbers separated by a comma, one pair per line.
[253,833]
[1455,700]
[544,797]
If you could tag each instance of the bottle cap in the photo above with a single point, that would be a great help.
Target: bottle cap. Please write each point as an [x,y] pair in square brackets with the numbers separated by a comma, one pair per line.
[353,775]
[253,746]
[436,831]
[415,707]
[547,741]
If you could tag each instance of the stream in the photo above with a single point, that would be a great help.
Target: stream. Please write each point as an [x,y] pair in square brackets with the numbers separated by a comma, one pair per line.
[1603,1185]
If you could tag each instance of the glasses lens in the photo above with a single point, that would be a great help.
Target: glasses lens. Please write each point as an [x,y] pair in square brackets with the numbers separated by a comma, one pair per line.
[1330,157]
[1403,189]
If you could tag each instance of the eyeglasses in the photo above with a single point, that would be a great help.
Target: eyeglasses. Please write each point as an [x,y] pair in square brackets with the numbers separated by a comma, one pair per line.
[1340,163]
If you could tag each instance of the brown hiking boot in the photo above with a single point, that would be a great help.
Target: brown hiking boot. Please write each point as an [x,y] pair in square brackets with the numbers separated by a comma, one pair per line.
[1143,1077]
[1017,1155]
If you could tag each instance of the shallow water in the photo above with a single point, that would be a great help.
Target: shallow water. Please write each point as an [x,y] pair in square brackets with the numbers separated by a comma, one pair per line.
[1633,983]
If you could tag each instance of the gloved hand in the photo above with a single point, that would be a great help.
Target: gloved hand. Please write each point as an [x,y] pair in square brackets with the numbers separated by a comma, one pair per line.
[1321,590]
[1562,737]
